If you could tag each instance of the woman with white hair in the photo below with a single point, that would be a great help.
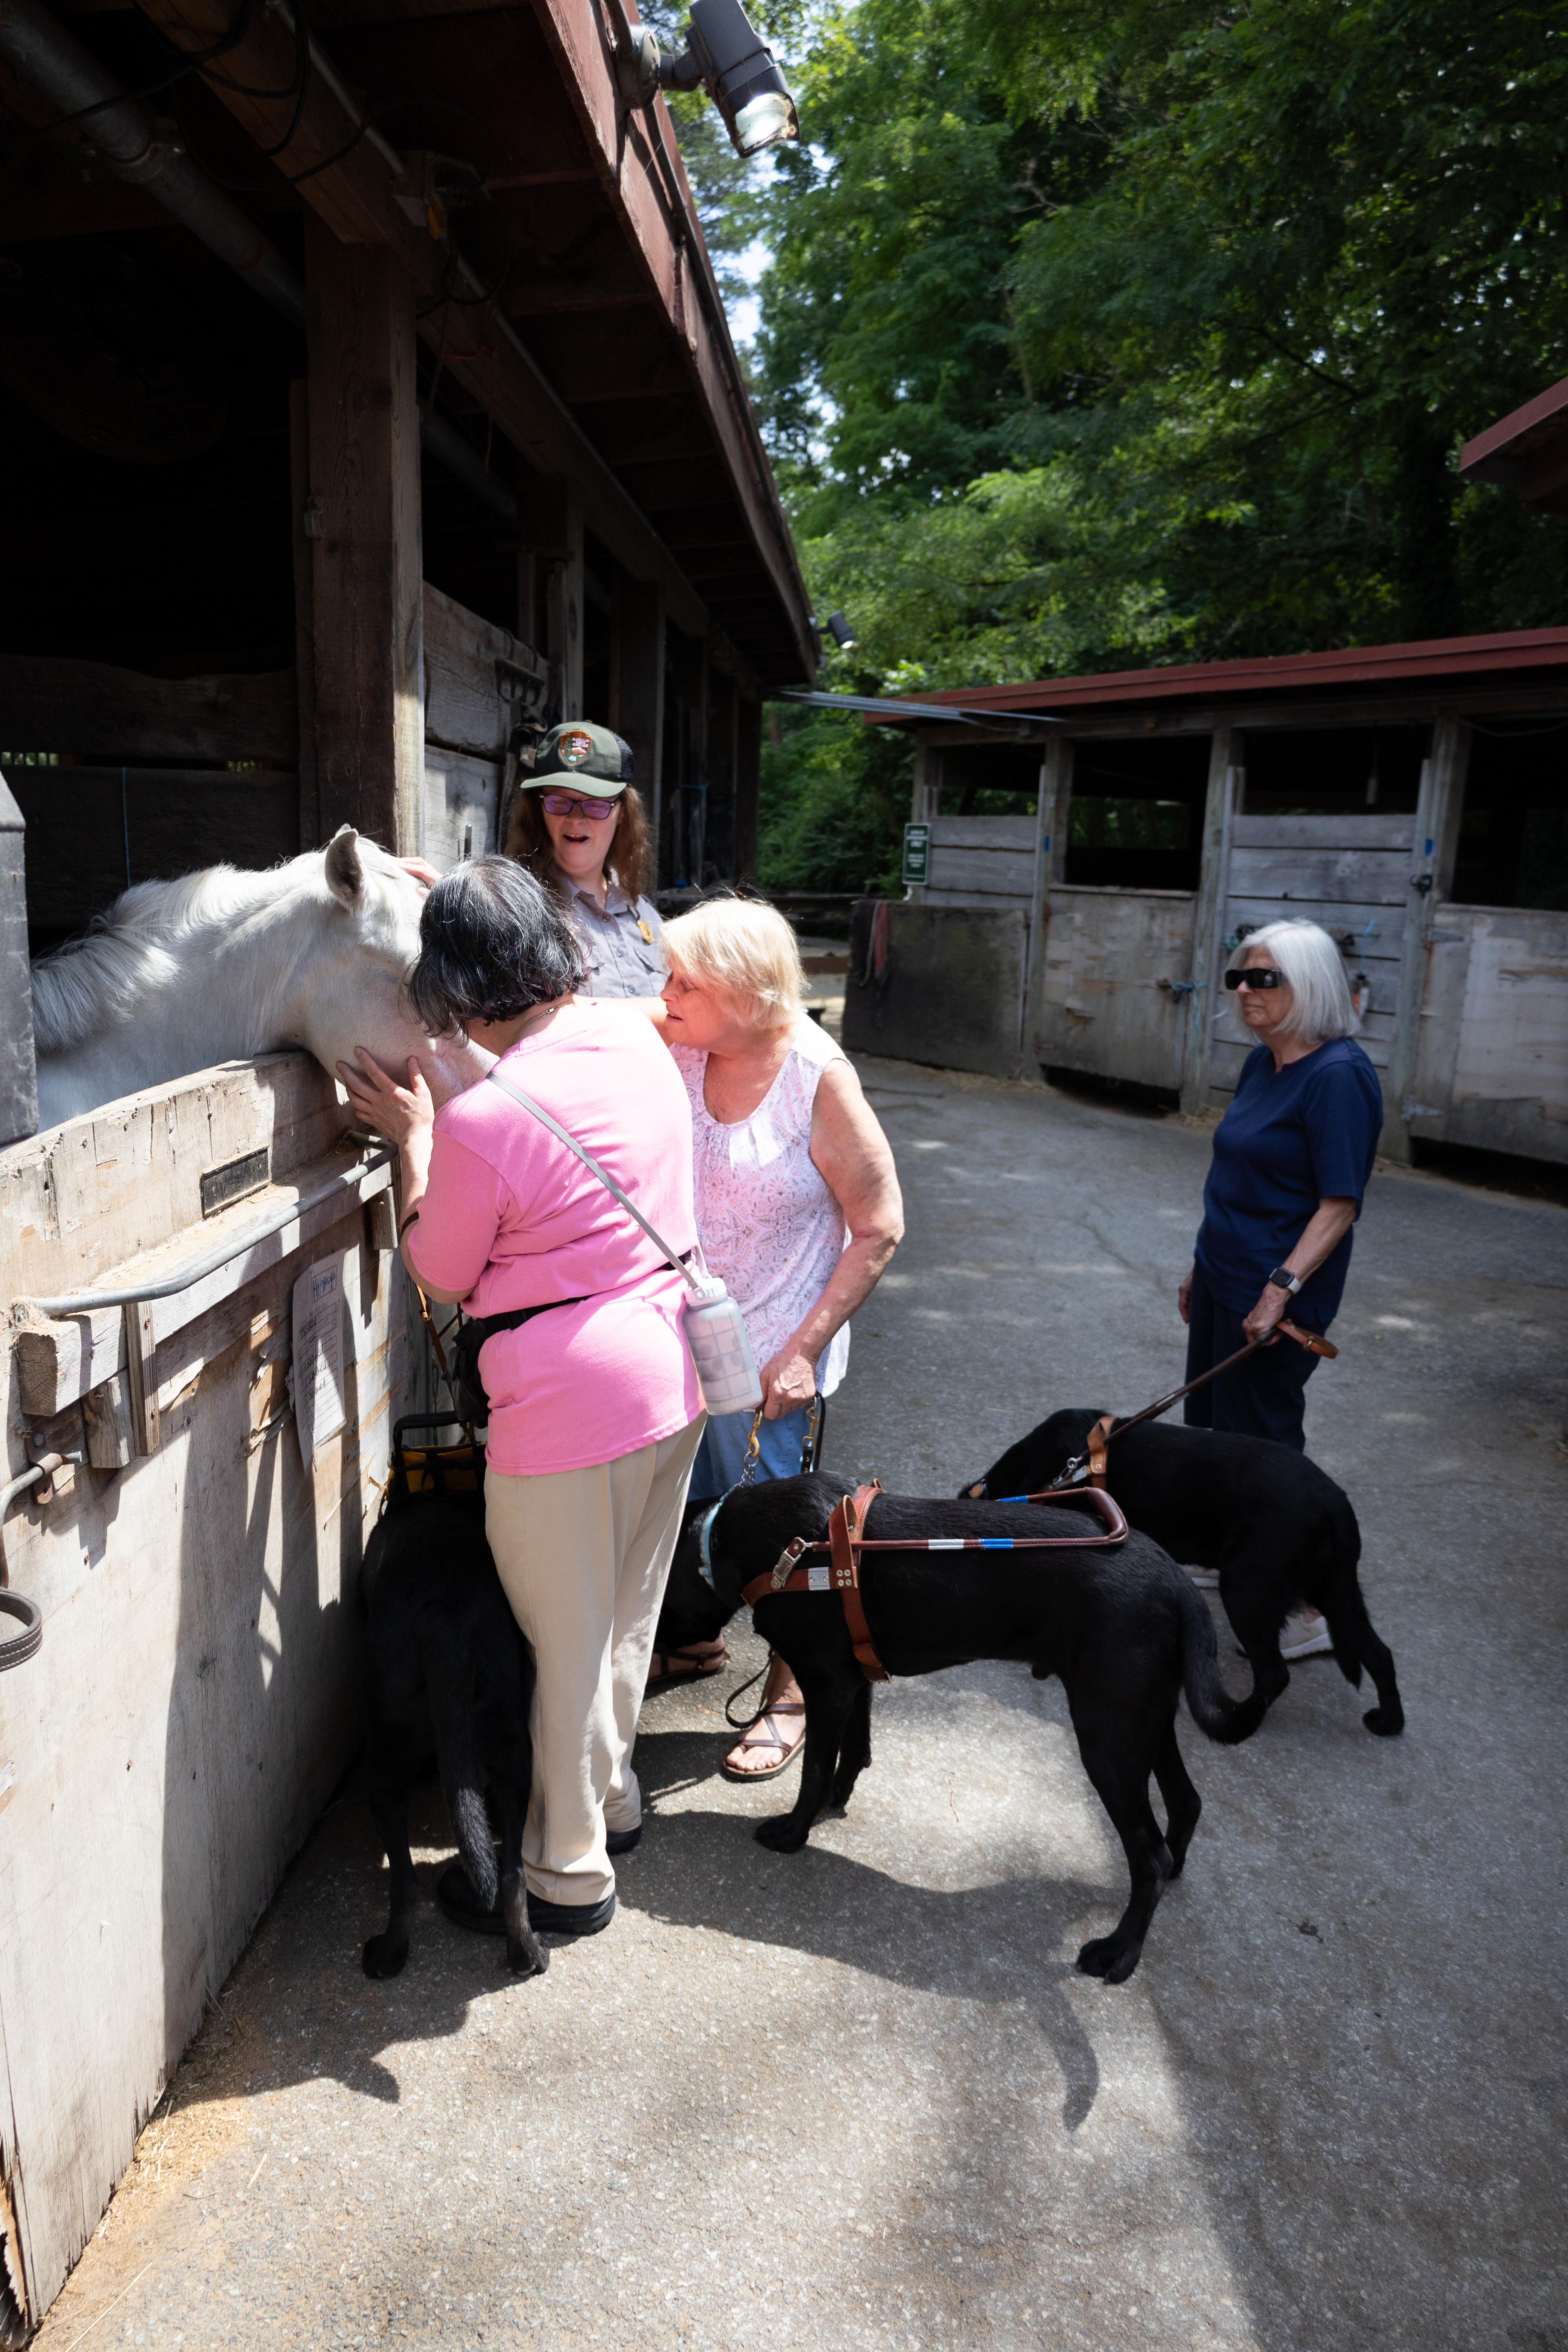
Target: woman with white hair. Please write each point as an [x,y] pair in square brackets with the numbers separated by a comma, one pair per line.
[797,1207]
[1291,1159]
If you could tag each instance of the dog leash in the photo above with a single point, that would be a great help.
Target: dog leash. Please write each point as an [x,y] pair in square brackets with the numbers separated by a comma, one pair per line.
[844,1543]
[1090,1463]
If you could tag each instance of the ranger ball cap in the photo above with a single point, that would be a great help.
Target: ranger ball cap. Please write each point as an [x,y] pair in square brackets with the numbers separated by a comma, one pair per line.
[578,749]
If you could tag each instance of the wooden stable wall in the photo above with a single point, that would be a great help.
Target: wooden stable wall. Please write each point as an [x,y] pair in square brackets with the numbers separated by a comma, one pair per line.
[1492,1059]
[1111,1003]
[196,1697]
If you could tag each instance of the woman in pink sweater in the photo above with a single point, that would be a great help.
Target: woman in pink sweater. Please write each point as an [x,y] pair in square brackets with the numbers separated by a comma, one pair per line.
[595,1411]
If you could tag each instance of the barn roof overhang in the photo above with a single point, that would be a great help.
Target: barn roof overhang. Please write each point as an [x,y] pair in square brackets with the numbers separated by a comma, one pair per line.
[1528,450]
[575,311]
[1524,668]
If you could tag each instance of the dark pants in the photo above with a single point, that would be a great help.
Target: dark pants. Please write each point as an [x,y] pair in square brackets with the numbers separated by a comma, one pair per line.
[1262,1398]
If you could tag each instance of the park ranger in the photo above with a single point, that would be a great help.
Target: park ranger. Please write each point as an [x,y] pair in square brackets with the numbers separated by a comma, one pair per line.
[579,824]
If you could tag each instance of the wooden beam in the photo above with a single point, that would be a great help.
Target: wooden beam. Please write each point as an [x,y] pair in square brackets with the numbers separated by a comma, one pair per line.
[1208,918]
[748,775]
[1444,775]
[18,1070]
[636,687]
[366,574]
[83,707]
[304,608]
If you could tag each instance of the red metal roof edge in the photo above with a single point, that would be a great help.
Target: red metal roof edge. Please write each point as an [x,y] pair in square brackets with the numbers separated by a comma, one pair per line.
[1345,665]
[1497,439]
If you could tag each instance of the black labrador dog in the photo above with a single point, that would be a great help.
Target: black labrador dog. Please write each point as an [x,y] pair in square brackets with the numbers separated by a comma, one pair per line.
[1123,1629]
[448,1674]
[1277,1529]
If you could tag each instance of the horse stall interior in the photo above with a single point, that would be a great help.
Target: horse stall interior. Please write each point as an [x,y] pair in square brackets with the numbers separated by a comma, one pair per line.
[1412,798]
[371,406]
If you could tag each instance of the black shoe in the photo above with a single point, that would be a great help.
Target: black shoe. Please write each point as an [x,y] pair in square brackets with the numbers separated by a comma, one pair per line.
[569,1918]
[622,1841]
[455,1900]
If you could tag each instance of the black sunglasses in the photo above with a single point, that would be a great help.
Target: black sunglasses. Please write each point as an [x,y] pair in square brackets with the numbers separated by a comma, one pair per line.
[1265,976]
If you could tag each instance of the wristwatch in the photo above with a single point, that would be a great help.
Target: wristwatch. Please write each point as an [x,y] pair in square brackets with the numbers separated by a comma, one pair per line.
[1283,1279]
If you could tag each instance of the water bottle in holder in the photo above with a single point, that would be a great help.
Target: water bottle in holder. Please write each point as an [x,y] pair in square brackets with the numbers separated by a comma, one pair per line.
[716,1335]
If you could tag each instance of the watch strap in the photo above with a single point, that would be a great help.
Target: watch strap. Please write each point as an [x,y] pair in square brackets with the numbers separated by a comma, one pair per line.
[1283,1279]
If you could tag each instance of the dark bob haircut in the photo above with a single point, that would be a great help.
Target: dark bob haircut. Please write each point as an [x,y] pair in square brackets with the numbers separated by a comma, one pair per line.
[493,943]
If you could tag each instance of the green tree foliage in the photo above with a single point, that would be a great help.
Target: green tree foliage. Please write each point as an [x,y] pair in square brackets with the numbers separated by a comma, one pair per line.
[1148,331]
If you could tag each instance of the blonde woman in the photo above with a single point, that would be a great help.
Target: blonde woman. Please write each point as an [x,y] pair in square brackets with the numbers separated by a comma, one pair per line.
[797,1205]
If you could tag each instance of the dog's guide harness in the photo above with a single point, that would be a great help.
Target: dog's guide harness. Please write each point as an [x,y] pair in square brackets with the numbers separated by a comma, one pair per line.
[840,1572]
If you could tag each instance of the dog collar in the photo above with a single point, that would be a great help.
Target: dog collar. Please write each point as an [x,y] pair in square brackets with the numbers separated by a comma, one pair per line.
[704,1540]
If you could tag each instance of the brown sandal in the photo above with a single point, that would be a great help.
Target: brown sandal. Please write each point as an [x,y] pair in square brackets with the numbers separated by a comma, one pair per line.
[691,1664]
[762,1725]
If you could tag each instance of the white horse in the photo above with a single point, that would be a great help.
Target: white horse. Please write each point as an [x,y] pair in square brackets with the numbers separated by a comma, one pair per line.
[222,964]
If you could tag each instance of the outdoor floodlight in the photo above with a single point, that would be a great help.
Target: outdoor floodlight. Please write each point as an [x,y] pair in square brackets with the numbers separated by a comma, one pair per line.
[727,57]
[843,635]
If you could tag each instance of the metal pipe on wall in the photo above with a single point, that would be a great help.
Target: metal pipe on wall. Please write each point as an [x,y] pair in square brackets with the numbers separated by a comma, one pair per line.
[126,135]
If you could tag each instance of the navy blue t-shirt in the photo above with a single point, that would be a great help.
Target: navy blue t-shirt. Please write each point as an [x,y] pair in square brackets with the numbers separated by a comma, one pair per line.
[1290,1139]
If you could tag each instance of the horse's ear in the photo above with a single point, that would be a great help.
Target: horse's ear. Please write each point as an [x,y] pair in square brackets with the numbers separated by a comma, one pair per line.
[345,875]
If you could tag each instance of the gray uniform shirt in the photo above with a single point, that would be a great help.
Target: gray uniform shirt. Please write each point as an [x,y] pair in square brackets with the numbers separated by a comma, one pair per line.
[623,962]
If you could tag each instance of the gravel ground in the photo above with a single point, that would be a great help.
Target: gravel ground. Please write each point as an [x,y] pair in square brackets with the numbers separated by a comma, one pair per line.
[860,2097]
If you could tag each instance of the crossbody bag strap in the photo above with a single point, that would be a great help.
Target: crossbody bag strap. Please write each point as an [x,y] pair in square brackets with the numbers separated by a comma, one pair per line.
[594,1169]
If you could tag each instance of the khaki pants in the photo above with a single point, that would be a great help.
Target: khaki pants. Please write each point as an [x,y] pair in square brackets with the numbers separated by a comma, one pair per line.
[584,1556]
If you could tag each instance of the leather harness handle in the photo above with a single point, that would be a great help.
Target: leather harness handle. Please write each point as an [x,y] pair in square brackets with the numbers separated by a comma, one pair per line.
[1311,1340]
[843,1537]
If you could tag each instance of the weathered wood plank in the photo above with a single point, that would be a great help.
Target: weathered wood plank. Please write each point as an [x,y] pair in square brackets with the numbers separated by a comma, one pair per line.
[1347,915]
[997,873]
[465,709]
[1372,831]
[58,1361]
[462,798]
[49,704]
[1370,877]
[91,832]
[983,833]
[1107,1007]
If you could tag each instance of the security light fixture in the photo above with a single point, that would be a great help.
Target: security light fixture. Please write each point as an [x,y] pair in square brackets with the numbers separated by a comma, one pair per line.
[727,57]
[843,635]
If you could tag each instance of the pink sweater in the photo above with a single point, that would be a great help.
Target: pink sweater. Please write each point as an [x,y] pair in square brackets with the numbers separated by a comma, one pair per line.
[512,1218]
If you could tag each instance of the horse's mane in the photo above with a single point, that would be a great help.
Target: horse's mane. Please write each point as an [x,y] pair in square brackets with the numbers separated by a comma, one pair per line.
[131,952]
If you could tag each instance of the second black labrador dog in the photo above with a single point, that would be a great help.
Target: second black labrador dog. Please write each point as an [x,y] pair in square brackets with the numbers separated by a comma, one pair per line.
[1277,1529]
[1123,1629]
[448,1674]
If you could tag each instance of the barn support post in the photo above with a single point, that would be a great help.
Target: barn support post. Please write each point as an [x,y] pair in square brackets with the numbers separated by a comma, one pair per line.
[1208,925]
[748,785]
[304,608]
[636,687]
[18,1069]
[925,800]
[363,520]
[1439,809]
[555,530]
[1050,866]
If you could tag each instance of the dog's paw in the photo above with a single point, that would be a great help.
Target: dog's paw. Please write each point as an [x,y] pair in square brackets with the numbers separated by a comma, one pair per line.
[1386,1721]
[781,1835]
[1107,1958]
[529,1959]
[383,1956]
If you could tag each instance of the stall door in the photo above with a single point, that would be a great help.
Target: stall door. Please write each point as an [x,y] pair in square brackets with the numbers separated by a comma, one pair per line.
[1352,874]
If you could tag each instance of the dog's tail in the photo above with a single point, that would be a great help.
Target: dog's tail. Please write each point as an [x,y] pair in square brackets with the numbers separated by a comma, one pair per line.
[451,1714]
[1214,1710]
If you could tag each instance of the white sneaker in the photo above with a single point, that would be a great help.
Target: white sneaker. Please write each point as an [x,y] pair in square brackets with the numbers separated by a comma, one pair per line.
[1207,1576]
[1305,1634]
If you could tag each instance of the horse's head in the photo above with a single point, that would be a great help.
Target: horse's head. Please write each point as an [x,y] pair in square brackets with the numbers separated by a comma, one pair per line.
[350,990]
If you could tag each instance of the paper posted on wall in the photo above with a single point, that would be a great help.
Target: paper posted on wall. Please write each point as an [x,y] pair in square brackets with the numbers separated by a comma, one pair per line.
[319,1409]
